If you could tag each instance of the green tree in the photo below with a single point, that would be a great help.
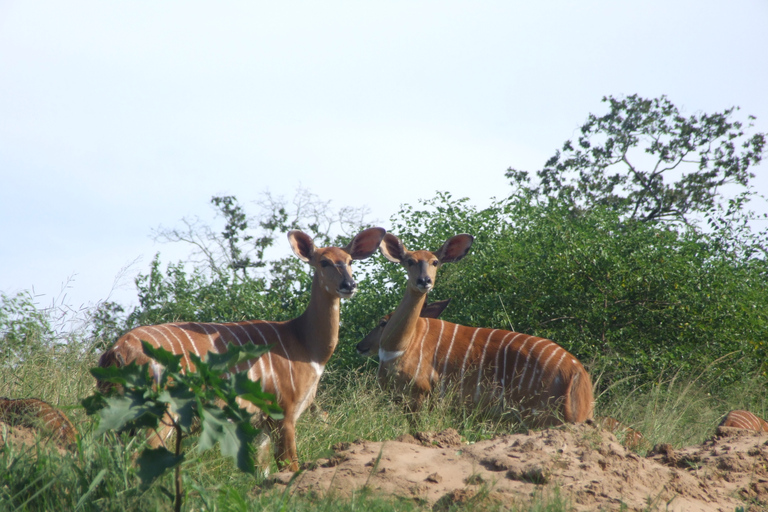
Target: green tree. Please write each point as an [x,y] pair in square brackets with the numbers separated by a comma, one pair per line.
[650,162]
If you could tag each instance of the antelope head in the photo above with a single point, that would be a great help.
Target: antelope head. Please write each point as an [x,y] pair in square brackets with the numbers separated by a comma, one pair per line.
[422,265]
[333,265]
[369,347]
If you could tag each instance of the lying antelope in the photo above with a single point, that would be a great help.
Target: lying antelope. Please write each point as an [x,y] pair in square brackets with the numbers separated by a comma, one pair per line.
[35,413]
[628,436]
[302,346]
[416,350]
[745,420]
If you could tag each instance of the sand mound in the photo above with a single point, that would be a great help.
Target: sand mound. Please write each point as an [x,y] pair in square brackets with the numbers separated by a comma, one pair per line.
[581,464]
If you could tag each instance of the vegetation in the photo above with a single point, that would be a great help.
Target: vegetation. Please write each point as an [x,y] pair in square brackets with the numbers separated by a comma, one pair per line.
[627,250]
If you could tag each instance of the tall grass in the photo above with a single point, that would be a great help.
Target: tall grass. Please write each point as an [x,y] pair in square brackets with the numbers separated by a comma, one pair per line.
[100,474]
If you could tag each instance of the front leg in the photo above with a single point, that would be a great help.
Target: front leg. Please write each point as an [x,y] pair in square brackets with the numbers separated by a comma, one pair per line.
[286,454]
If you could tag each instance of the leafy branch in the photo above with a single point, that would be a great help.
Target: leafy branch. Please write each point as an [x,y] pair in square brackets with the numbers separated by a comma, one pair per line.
[162,395]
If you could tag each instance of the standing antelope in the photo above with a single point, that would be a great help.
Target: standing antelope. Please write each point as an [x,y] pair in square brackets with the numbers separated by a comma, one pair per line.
[416,351]
[302,346]
[745,420]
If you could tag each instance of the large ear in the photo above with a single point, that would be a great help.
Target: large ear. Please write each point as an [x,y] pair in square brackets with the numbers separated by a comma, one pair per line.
[455,248]
[433,309]
[392,248]
[365,243]
[301,244]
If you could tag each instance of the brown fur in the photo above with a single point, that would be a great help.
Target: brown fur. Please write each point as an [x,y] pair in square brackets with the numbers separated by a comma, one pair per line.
[302,346]
[416,351]
[629,437]
[35,413]
[745,420]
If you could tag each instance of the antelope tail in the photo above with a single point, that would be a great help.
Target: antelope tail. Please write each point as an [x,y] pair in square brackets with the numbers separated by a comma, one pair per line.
[579,404]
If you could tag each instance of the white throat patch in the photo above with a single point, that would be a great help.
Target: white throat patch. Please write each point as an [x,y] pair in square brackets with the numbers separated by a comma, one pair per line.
[385,355]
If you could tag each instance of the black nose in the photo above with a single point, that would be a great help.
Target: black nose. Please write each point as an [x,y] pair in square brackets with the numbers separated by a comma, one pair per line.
[424,281]
[348,286]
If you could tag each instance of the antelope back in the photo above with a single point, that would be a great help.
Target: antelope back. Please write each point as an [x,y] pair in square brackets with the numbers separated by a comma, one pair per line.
[502,367]
[34,413]
[745,420]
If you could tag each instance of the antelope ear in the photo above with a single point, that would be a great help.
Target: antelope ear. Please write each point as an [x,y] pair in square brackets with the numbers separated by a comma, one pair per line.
[433,309]
[365,243]
[302,245]
[455,248]
[392,248]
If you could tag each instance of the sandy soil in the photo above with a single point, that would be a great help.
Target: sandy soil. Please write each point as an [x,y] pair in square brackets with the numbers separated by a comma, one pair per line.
[584,464]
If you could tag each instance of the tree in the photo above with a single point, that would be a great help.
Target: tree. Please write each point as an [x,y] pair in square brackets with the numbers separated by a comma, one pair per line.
[650,162]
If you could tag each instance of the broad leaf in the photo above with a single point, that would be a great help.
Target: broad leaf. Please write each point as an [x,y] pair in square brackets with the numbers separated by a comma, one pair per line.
[234,440]
[171,362]
[249,390]
[153,462]
[235,355]
[182,401]
[128,411]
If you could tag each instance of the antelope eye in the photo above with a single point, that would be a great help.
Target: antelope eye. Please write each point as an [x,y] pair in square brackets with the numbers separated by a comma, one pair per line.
[411,262]
[325,263]
[434,263]
[383,323]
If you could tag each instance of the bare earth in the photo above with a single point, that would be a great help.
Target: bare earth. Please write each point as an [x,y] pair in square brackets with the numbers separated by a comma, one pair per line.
[584,464]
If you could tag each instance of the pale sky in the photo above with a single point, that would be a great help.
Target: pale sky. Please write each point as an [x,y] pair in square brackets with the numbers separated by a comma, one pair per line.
[117,118]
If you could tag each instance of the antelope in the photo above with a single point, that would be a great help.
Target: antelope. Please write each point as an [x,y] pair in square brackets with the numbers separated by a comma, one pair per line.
[302,346]
[628,436]
[35,413]
[491,366]
[745,420]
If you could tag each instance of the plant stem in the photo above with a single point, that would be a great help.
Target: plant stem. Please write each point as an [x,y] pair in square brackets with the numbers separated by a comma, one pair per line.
[177,504]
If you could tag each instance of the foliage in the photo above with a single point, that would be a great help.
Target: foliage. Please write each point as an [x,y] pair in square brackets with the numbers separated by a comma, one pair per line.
[190,396]
[647,160]
[640,298]
[23,326]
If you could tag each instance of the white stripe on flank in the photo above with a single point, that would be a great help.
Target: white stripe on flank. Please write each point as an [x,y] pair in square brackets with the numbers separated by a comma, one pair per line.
[421,349]
[252,374]
[273,374]
[285,351]
[437,349]
[546,361]
[464,362]
[170,342]
[527,359]
[211,339]
[385,356]
[172,328]
[480,366]
[517,358]
[447,357]
[240,342]
[191,341]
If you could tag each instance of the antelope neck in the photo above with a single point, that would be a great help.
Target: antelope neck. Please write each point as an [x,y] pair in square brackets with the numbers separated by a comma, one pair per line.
[401,327]
[318,327]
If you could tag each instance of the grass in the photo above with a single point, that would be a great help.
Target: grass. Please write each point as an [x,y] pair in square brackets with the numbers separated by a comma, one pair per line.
[100,474]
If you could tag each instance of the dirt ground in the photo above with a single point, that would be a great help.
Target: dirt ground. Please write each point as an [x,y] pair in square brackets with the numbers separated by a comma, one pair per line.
[584,465]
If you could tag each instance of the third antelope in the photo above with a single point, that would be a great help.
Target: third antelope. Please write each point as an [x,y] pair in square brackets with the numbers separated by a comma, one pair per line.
[302,346]
[745,420]
[512,369]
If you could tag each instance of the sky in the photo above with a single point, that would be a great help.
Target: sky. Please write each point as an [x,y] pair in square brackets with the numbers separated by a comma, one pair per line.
[121,118]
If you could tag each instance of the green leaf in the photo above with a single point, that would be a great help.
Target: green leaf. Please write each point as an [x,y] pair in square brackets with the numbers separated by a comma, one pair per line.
[153,462]
[234,355]
[171,362]
[249,390]
[93,404]
[128,374]
[183,402]
[234,439]
[129,411]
